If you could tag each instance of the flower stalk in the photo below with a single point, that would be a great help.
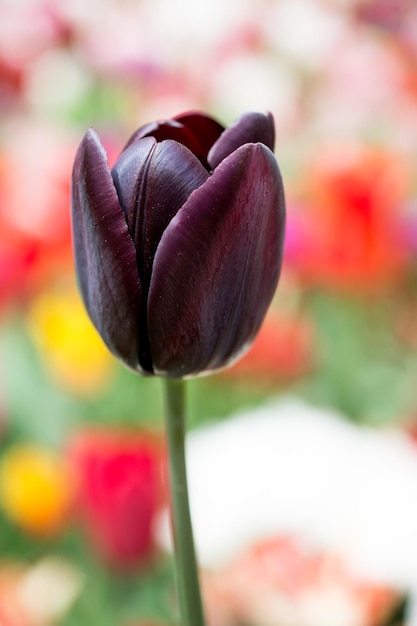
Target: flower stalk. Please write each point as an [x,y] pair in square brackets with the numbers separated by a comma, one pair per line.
[188,588]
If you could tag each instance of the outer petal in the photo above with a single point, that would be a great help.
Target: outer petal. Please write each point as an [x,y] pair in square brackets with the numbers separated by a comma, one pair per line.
[249,128]
[217,266]
[104,252]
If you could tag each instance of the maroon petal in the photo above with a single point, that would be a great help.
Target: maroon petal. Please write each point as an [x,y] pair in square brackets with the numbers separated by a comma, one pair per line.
[128,173]
[167,129]
[166,174]
[104,252]
[217,266]
[205,128]
[249,128]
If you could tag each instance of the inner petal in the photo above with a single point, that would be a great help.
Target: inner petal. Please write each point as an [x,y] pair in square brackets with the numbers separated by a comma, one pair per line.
[172,174]
[205,128]
[249,128]
[168,129]
[131,167]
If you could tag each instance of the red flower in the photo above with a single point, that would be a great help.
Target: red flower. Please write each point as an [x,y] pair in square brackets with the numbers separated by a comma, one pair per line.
[119,482]
[351,234]
[283,349]
[34,216]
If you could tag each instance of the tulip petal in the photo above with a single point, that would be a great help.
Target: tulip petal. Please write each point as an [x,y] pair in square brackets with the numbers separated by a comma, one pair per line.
[166,174]
[128,173]
[196,131]
[249,128]
[216,268]
[104,252]
[205,128]
[167,129]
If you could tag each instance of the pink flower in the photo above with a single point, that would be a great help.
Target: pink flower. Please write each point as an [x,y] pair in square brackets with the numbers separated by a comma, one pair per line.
[279,581]
[119,492]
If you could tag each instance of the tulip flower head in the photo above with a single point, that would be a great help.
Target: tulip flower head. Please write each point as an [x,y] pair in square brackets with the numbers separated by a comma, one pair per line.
[178,247]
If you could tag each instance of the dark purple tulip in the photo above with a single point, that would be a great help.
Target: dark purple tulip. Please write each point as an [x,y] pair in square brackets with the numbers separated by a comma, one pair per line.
[178,248]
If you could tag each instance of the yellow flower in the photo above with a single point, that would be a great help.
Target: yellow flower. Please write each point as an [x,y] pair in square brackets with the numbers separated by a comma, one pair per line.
[36,489]
[71,347]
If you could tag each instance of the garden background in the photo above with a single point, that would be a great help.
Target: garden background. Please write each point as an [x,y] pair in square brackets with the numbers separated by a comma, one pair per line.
[303,456]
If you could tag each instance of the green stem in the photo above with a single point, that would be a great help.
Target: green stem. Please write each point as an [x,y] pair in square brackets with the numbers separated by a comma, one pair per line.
[188,588]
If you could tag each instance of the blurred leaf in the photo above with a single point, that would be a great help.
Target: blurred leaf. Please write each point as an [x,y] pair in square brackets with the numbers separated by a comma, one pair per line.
[110,599]
[34,409]
[363,371]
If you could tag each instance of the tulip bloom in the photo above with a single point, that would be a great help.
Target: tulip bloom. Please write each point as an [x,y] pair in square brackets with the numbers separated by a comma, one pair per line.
[179,246]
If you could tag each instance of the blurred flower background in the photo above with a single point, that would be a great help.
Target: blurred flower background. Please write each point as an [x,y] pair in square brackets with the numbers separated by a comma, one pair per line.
[307,517]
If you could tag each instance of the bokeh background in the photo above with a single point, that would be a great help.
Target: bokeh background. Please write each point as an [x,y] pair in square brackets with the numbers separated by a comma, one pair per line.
[303,456]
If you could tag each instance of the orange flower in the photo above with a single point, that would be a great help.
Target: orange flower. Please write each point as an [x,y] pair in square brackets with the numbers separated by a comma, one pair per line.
[283,349]
[36,489]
